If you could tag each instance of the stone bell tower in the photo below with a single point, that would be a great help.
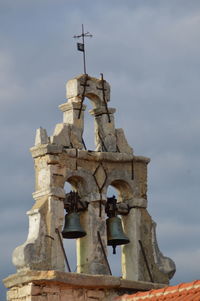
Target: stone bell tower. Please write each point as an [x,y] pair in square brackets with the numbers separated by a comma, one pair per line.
[62,158]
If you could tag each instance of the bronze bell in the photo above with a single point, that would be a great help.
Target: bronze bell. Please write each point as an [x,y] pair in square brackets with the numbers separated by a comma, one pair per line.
[115,233]
[72,227]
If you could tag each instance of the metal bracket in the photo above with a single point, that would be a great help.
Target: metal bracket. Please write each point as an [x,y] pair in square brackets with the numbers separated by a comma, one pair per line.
[73,202]
[104,253]
[145,260]
[104,147]
[104,97]
[63,250]
[83,95]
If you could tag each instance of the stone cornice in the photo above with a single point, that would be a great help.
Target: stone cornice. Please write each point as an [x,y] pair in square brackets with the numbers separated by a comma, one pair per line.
[79,280]
[43,149]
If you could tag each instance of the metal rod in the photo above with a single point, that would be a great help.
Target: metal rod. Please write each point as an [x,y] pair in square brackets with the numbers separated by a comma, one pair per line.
[84,143]
[100,205]
[132,170]
[76,159]
[82,47]
[145,259]
[104,147]
[83,95]
[104,99]
[104,253]
[62,247]
[84,63]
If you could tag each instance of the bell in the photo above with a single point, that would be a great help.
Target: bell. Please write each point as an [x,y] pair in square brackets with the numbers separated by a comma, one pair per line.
[72,227]
[115,234]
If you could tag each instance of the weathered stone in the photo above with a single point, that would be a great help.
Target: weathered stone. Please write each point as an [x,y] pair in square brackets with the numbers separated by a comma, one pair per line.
[41,150]
[12,293]
[165,264]
[75,280]
[41,136]
[105,138]
[137,202]
[102,110]
[66,294]
[122,143]
[74,87]
[76,137]
[90,256]
[61,135]
[73,113]
[96,294]
[53,289]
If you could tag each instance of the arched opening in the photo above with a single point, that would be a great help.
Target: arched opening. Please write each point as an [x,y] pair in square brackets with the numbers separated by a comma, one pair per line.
[70,244]
[88,136]
[114,259]
[122,192]
[88,132]
[76,184]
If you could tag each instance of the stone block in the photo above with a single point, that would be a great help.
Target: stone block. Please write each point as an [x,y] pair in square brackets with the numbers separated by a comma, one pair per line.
[61,135]
[24,291]
[36,290]
[12,293]
[137,202]
[40,298]
[53,297]
[95,294]
[76,137]
[51,289]
[79,294]
[122,143]
[93,91]
[41,137]
[67,295]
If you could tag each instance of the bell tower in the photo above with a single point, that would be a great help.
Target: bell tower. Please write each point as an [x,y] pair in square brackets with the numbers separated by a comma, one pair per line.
[85,213]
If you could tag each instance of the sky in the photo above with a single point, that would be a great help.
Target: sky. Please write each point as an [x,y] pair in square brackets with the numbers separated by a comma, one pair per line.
[149,53]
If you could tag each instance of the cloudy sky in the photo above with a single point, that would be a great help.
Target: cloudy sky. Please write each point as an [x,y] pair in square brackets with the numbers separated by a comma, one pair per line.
[148,51]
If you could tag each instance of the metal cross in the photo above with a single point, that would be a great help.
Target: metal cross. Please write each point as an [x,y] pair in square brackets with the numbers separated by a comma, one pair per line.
[81,46]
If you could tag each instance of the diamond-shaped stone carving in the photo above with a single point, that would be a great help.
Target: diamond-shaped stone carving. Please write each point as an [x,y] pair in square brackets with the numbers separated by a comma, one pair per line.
[100,176]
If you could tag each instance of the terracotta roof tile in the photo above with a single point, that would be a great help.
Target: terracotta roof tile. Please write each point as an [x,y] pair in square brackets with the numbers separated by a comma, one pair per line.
[181,292]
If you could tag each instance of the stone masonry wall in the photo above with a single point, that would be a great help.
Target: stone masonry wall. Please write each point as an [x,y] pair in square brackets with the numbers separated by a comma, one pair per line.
[55,292]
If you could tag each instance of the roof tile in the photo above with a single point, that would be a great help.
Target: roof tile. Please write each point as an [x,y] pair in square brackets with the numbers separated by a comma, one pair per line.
[181,292]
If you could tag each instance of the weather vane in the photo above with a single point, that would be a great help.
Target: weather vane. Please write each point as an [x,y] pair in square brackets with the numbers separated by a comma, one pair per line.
[81,46]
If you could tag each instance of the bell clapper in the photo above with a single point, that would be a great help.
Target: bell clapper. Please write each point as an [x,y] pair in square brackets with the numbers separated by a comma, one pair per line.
[114,249]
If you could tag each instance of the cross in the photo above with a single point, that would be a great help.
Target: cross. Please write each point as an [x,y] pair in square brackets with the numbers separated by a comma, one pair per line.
[81,46]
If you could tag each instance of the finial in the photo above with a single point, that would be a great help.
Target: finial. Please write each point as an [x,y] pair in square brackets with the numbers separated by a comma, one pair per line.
[81,46]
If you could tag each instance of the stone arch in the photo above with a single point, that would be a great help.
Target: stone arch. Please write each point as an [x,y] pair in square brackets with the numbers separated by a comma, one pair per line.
[124,189]
[94,99]
[84,183]
[76,181]
[91,88]
[122,182]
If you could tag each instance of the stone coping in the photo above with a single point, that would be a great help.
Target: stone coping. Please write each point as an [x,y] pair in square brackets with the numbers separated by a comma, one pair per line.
[78,280]
[43,149]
